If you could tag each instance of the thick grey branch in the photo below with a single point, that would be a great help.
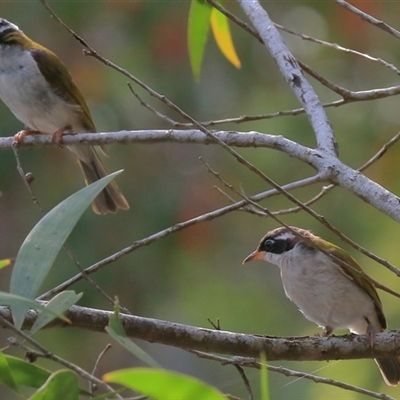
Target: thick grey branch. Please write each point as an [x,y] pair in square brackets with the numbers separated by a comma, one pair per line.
[234,138]
[329,166]
[292,73]
[195,338]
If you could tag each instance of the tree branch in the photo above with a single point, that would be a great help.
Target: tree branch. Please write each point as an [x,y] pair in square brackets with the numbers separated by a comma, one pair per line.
[293,75]
[255,363]
[368,18]
[307,348]
[174,228]
[186,136]
[329,166]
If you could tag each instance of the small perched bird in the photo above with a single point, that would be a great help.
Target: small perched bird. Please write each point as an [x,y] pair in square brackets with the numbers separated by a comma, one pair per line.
[322,280]
[37,87]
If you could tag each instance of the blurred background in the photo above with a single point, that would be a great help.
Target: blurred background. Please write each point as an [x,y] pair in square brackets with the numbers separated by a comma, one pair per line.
[196,274]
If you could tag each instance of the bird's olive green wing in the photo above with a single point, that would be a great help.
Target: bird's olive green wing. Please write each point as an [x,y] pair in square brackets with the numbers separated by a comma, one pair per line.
[57,75]
[341,257]
[358,279]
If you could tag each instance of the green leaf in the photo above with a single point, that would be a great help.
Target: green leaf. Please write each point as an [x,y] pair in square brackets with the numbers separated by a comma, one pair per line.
[164,385]
[223,37]
[117,332]
[59,304]
[15,301]
[41,247]
[198,27]
[25,373]
[62,384]
[6,374]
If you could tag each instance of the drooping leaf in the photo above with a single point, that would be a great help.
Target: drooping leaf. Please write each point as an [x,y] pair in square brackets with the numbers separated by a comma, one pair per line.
[223,37]
[41,247]
[117,332]
[59,304]
[15,301]
[198,27]
[164,385]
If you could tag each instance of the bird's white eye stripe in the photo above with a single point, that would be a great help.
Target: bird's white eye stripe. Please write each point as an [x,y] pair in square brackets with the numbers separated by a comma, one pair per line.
[5,25]
[284,236]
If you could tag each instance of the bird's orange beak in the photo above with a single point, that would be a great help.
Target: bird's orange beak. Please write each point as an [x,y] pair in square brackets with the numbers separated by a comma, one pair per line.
[255,255]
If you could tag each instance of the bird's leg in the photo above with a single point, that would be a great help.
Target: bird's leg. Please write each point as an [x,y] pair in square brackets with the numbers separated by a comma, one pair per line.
[57,135]
[19,137]
[371,333]
[328,331]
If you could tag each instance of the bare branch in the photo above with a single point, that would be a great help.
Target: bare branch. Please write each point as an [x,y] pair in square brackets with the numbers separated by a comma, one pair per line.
[330,168]
[307,348]
[339,48]
[189,136]
[293,75]
[349,95]
[153,110]
[172,229]
[255,363]
[99,358]
[370,19]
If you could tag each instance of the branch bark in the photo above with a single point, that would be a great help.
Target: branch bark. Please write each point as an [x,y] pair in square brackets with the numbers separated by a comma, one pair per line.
[185,136]
[293,74]
[307,348]
[330,168]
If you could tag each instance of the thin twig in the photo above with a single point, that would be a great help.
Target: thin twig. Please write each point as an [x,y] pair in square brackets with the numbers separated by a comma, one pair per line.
[242,374]
[239,158]
[175,228]
[245,380]
[349,95]
[92,386]
[177,109]
[254,210]
[370,19]
[152,109]
[27,180]
[381,152]
[255,363]
[339,48]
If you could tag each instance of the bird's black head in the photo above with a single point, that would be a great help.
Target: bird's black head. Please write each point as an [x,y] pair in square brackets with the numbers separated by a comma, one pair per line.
[7,31]
[281,240]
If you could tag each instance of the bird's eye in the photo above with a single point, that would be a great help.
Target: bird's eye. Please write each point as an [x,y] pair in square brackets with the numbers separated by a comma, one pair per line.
[277,246]
[268,245]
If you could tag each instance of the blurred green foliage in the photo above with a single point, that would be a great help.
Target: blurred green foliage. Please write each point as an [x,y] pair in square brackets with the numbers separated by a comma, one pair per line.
[197,274]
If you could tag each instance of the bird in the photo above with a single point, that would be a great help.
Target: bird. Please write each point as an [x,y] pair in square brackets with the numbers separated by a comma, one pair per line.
[38,89]
[323,282]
